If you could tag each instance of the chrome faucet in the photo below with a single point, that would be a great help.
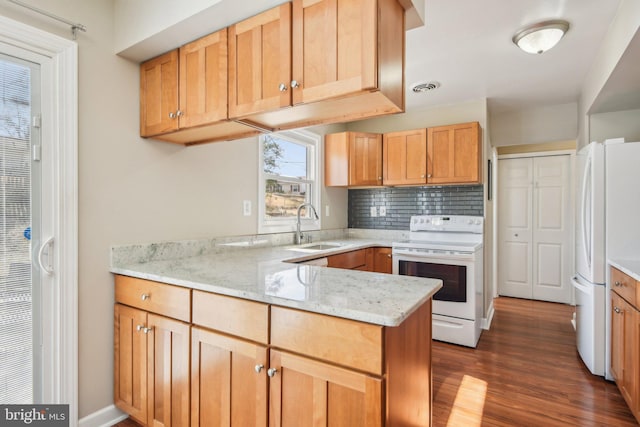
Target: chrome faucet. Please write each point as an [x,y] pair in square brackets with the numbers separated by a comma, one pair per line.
[298,237]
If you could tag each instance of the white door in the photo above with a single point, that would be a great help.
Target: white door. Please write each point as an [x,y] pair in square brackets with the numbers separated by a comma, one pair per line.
[515,227]
[534,248]
[552,229]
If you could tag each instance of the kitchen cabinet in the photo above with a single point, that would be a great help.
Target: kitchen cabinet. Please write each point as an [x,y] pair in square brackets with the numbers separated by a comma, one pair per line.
[404,158]
[151,352]
[352,260]
[382,260]
[332,61]
[183,94]
[352,159]
[454,154]
[625,338]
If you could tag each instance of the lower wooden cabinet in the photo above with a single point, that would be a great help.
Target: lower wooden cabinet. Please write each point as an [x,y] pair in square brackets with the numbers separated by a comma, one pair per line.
[306,392]
[376,259]
[151,367]
[228,380]
[382,260]
[625,343]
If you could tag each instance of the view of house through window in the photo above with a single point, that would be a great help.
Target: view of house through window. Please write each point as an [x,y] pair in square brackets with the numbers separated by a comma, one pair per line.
[288,177]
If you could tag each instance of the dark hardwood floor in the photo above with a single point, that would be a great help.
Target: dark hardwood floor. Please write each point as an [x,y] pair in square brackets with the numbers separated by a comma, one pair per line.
[525,372]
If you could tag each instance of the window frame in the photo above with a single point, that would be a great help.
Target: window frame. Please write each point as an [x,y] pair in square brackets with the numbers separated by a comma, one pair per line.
[313,143]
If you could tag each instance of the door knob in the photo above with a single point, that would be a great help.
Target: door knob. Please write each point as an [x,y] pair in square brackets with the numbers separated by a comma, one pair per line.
[282,87]
[295,83]
[271,372]
[258,368]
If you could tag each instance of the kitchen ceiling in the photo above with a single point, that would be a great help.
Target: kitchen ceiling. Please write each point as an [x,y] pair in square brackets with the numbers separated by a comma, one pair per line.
[466,46]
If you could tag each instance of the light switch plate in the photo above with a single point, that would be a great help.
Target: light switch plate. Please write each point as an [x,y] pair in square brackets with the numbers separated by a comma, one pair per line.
[246,207]
[382,211]
[374,211]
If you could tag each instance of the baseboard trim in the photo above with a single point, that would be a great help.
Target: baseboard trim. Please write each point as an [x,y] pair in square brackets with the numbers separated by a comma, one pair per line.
[105,417]
[486,322]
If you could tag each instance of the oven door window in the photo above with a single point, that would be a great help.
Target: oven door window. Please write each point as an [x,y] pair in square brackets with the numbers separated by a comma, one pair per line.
[454,278]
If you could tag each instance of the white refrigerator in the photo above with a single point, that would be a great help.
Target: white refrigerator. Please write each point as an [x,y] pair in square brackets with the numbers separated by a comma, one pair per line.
[608,202]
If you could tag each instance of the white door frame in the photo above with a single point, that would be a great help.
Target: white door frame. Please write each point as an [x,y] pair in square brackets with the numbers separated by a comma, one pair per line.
[58,58]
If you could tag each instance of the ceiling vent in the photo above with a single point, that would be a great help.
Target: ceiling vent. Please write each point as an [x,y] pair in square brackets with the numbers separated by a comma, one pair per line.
[424,86]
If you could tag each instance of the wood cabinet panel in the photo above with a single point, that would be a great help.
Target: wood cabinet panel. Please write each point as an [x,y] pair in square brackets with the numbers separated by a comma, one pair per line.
[203,80]
[226,388]
[160,298]
[404,159]
[259,61]
[345,342]
[130,362]
[454,154]
[306,392]
[625,286]
[348,260]
[353,159]
[159,94]
[382,260]
[168,363]
[247,319]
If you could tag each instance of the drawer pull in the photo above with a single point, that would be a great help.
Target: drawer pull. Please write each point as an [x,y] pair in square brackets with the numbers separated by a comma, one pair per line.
[258,368]
[139,328]
[617,283]
[147,330]
[271,372]
[145,297]
[617,310]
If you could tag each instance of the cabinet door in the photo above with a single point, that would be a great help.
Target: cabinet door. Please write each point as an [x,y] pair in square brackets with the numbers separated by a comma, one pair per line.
[203,80]
[454,154]
[159,95]
[622,348]
[130,361]
[305,392]
[334,48]
[260,62]
[348,260]
[405,157]
[382,260]
[168,363]
[365,159]
[228,381]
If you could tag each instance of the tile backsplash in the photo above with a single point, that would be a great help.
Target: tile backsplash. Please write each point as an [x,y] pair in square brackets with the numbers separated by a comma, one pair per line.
[403,202]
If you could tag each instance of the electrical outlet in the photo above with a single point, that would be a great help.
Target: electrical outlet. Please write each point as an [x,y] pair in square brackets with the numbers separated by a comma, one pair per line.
[382,211]
[246,207]
[374,211]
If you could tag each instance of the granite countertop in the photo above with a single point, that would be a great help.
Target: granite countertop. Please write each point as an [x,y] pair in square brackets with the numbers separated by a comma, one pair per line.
[271,275]
[627,266]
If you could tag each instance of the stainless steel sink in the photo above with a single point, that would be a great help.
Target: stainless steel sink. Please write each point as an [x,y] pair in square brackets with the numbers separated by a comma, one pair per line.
[316,247]
[321,247]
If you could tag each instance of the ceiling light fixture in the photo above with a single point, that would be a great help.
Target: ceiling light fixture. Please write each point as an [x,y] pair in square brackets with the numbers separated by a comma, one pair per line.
[424,86]
[539,38]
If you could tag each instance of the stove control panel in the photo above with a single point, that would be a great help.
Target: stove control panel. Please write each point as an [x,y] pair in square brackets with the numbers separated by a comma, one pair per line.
[448,223]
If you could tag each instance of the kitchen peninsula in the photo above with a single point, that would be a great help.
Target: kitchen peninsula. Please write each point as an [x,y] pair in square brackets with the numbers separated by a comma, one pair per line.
[243,331]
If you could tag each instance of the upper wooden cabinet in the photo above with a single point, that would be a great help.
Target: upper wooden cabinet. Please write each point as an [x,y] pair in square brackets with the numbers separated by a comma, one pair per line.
[454,154]
[404,157]
[260,62]
[352,159]
[183,94]
[340,61]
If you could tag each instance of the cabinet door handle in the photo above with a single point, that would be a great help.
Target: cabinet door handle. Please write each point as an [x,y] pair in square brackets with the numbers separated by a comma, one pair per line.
[388,255]
[172,115]
[282,87]
[618,283]
[258,368]
[421,176]
[147,330]
[428,175]
[617,310]
[295,84]
[271,372]
[139,328]
[145,297]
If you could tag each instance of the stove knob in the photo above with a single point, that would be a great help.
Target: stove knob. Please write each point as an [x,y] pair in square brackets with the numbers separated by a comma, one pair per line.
[428,221]
[470,222]
[478,222]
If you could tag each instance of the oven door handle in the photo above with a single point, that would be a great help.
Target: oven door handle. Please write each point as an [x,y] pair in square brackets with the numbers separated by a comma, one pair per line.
[407,252]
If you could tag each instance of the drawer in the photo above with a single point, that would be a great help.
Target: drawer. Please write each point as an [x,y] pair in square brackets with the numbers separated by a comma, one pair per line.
[349,260]
[624,285]
[160,298]
[341,341]
[235,316]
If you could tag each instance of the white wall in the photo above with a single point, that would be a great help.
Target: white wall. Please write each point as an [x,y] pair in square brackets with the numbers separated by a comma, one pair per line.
[535,125]
[134,190]
[619,124]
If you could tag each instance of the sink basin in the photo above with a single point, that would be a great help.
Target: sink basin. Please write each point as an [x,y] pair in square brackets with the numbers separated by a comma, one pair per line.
[321,247]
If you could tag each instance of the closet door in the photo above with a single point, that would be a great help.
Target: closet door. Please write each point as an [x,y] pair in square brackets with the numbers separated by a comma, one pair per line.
[534,247]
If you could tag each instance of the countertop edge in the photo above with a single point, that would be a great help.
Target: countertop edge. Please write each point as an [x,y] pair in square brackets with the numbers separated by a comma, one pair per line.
[630,267]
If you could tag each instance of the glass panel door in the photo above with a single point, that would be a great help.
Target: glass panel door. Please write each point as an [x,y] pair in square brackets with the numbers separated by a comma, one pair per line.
[20,339]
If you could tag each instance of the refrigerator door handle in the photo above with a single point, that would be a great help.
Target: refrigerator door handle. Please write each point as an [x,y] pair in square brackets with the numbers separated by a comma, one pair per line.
[586,246]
